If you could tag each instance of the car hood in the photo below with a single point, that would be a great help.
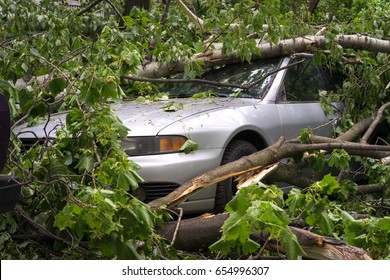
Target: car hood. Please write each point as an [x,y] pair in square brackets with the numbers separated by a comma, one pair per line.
[144,118]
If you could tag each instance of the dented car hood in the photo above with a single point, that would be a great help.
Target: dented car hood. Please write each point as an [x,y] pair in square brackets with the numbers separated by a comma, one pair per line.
[143,118]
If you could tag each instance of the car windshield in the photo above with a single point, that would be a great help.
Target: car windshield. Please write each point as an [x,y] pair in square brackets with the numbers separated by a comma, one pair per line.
[236,75]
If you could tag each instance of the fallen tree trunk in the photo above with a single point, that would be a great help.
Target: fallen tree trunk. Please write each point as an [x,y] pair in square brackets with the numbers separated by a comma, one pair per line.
[283,48]
[274,153]
[201,232]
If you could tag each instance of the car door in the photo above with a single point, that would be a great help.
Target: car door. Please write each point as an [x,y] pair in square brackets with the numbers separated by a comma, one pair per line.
[298,99]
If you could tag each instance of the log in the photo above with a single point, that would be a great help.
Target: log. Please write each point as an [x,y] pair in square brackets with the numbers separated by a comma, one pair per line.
[261,159]
[271,155]
[369,189]
[283,48]
[200,232]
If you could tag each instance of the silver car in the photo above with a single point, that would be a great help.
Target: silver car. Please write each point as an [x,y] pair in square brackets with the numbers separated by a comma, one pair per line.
[247,108]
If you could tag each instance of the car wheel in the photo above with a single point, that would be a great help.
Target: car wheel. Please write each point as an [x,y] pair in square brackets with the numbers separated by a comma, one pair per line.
[227,189]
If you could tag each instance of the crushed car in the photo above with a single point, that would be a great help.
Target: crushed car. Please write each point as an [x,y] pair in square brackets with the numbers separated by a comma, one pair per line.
[245,108]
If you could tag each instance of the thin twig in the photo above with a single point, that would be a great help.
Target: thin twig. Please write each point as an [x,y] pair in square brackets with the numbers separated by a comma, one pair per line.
[89,7]
[44,231]
[116,10]
[259,255]
[177,225]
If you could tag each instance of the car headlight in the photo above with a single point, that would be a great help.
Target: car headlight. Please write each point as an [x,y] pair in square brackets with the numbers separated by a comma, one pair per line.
[137,146]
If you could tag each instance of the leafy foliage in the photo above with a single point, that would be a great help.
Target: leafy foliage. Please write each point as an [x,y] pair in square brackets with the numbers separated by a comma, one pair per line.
[257,208]
[76,187]
[315,206]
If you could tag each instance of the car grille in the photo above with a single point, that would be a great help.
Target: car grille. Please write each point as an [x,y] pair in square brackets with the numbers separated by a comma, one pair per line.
[152,191]
[28,143]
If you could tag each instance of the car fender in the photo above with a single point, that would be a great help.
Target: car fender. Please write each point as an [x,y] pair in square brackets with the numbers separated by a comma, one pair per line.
[216,128]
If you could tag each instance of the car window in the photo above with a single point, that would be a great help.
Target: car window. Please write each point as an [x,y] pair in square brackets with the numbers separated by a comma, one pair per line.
[303,82]
[239,74]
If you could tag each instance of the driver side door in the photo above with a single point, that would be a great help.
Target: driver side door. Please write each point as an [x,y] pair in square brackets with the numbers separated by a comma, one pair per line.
[298,100]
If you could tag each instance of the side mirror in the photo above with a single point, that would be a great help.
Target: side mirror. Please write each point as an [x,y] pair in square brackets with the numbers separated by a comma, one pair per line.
[4,129]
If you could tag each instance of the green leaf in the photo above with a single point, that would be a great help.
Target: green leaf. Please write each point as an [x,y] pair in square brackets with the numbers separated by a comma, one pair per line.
[295,200]
[86,164]
[111,203]
[144,215]
[325,223]
[205,94]
[68,159]
[236,228]
[291,245]
[189,146]
[113,245]
[317,161]
[330,184]
[339,159]
[311,220]
[140,99]
[34,52]
[128,179]
[305,135]
[384,224]
[270,213]
[173,107]
[250,247]
[239,203]
[223,246]
[110,90]
[65,219]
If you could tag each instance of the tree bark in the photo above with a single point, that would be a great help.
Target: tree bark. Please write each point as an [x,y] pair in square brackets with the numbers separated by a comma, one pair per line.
[194,18]
[201,232]
[313,6]
[267,50]
[89,7]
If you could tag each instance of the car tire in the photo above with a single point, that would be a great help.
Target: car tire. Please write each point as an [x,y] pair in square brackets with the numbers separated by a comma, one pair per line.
[227,189]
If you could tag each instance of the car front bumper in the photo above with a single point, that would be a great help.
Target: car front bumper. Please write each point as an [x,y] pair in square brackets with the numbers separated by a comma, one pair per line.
[164,173]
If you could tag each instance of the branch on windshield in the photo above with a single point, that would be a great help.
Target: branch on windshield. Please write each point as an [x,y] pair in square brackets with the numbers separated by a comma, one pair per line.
[209,82]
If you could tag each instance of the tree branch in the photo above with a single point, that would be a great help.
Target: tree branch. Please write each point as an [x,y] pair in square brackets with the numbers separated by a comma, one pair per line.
[274,153]
[164,15]
[313,6]
[378,119]
[194,18]
[42,230]
[200,232]
[209,82]
[267,50]
[89,7]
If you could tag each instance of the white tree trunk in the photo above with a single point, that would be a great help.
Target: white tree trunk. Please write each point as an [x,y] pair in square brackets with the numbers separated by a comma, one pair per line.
[267,50]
